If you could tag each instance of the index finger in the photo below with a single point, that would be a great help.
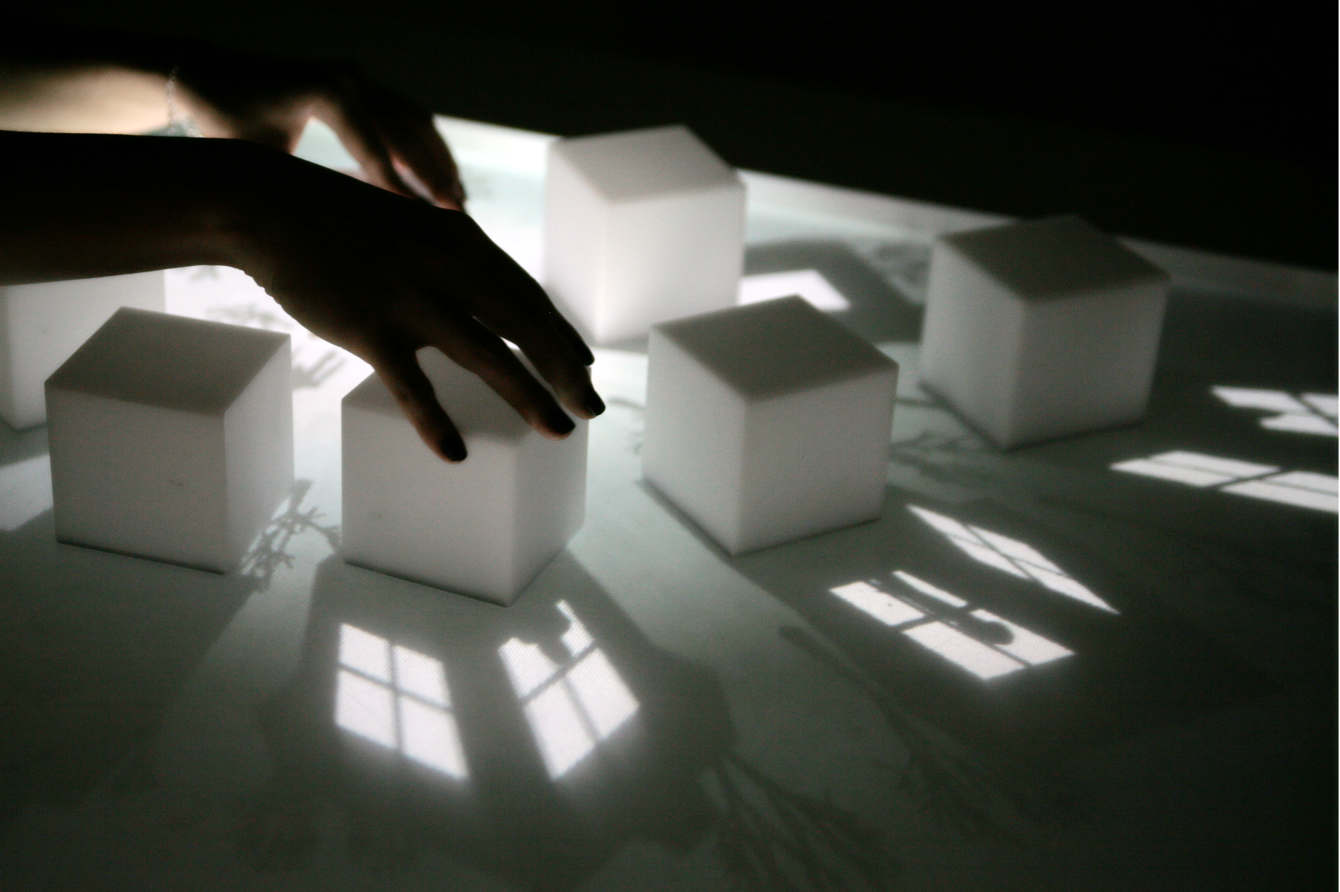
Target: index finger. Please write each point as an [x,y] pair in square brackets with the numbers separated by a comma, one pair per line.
[518,300]
[345,113]
[400,372]
[408,131]
[415,142]
[542,339]
[514,306]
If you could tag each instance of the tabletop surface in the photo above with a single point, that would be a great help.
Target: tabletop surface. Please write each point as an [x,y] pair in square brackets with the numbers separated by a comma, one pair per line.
[1102,662]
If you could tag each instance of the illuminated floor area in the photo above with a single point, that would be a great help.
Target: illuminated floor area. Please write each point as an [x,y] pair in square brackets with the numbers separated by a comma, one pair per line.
[1306,413]
[1106,662]
[1305,489]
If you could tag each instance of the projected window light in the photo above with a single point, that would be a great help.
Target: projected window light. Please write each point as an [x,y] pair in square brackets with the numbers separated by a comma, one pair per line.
[808,283]
[880,605]
[1303,489]
[1307,413]
[976,640]
[570,706]
[25,491]
[1010,556]
[398,698]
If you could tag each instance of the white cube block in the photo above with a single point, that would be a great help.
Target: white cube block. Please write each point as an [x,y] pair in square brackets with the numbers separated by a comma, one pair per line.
[42,324]
[1040,329]
[484,527]
[171,438]
[640,227]
[767,422]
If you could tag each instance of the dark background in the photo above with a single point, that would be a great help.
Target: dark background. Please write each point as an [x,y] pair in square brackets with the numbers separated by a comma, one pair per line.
[1211,126]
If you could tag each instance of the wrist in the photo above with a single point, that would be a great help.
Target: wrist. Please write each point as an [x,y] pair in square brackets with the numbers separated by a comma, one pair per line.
[251,201]
[129,203]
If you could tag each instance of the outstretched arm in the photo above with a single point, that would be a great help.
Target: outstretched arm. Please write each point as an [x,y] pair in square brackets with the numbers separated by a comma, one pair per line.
[372,271]
[59,79]
[76,205]
[364,267]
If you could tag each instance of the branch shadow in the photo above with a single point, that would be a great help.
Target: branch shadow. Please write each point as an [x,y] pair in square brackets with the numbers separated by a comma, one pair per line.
[1201,646]
[1207,342]
[1143,666]
[93,648]
[506,813]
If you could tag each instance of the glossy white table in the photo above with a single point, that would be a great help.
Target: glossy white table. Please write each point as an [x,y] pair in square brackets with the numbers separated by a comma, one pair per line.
[1035,671]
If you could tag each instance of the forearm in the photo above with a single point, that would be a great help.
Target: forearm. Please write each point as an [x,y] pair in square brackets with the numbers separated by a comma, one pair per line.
[57,78]
[89,205]
[83,98]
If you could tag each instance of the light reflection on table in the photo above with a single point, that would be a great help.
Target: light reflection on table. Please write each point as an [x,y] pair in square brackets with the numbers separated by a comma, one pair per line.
[1094,657]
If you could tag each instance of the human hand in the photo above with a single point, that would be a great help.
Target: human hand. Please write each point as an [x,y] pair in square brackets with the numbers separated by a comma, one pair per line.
[383,276]
[269,101]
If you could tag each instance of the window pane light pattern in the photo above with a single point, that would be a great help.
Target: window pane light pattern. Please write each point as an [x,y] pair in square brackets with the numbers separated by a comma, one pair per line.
[571,706]
[397,698]
[25,491]
[1303,489]
[1307,413]
[807,283]
[1010,556]
[944,623]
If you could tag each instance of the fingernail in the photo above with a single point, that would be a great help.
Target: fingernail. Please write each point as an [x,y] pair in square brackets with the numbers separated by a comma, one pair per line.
[561,424]
[593,404]
[453,449]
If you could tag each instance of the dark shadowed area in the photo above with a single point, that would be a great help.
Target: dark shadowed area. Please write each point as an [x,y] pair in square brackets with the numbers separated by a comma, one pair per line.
[1206,128]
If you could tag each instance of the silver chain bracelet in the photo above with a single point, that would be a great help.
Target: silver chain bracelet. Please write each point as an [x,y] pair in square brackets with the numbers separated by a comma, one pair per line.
[178,124]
